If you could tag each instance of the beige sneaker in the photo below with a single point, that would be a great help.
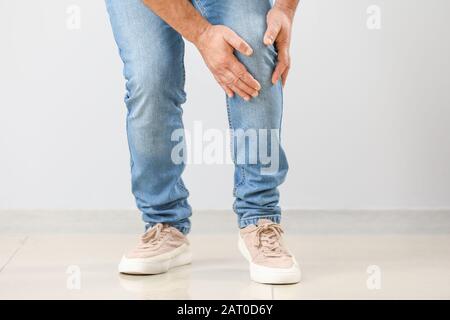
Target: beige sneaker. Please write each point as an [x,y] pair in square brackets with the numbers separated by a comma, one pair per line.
[162,247]
[270,261]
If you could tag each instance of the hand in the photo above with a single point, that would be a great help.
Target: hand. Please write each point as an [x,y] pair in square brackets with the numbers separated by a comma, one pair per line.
[279,26]
[216,45]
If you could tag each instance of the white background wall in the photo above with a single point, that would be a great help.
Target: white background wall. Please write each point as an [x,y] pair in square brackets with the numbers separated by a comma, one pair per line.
[366,121]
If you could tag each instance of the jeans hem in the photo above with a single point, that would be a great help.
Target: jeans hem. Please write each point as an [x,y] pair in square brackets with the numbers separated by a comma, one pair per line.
[249,221]
[182,228]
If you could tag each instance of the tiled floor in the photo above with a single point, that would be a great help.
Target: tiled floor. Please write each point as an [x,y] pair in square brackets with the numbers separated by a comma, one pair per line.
[334,267]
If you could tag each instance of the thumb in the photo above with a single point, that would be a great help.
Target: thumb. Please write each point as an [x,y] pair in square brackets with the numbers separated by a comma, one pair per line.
[273,29]
[237,42]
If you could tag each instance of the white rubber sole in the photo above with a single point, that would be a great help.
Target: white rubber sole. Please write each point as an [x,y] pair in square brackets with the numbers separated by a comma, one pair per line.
[268,275]
[158,264]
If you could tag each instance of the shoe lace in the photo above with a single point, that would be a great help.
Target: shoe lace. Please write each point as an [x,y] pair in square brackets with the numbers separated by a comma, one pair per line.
[268,238]
[155,235]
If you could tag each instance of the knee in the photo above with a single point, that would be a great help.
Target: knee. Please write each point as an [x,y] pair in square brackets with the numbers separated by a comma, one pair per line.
[262,62]
[265,110]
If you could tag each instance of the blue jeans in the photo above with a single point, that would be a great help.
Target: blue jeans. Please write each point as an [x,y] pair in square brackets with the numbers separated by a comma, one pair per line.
[153,53]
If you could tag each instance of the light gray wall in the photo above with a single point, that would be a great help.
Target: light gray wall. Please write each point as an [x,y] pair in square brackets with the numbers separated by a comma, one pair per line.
[366,121]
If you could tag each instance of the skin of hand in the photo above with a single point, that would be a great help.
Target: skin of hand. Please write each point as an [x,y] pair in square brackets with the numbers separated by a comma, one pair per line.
[216,45]
[279,27]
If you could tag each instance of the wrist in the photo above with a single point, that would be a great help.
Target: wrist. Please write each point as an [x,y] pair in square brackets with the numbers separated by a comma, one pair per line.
[289,10]
[201,30]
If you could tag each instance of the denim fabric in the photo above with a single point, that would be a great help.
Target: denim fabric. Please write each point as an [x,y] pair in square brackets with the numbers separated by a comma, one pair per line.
[152,53]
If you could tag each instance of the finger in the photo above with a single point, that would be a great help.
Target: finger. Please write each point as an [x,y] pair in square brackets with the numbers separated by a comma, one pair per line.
[231,81]
[240,92]
[273,29]
[227,90]
[285,75]
[248,90]
[241,72]
[280,68]
[282,64]
[237,42]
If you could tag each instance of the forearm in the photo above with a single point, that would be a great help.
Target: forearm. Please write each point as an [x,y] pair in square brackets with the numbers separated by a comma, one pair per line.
[180,15]
[289,5]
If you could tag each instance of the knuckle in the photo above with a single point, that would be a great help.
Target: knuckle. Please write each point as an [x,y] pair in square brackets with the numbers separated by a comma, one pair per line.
[241,73]
[276,25]
[285,52]
[226,30]
[220,66]
[287,62]
[230,81]
[282,64]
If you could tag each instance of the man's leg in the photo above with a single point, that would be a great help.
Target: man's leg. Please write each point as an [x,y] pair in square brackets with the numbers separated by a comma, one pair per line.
[152,53]
[260,162]
[255,124]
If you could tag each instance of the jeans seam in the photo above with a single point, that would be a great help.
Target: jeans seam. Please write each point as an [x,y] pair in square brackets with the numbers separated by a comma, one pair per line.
[129,147]
[183,84]
[228,114]
[182,186]
[230,125]
[183,67]
[281,115]
[243,177]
